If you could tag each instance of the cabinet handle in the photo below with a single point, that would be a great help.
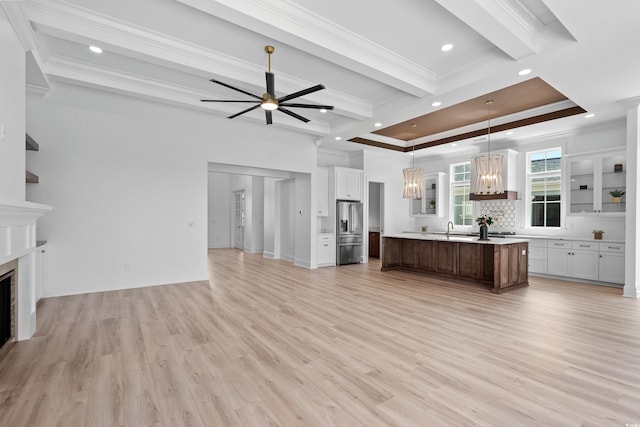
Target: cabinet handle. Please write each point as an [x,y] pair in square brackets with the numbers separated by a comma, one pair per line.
[585,246]
[613,247]
[559,244]
[600,256]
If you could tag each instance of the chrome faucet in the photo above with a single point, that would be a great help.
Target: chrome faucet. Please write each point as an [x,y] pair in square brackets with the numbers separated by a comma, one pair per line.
[449,224]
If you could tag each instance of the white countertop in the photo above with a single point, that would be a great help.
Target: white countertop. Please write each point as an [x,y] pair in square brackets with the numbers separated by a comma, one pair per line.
[454,238]
[526,237]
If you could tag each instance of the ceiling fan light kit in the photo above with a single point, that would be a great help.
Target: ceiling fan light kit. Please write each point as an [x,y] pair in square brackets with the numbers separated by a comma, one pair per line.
[268,101]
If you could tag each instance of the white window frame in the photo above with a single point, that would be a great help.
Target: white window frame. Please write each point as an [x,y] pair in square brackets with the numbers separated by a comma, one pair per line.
[453,184]
[548,174]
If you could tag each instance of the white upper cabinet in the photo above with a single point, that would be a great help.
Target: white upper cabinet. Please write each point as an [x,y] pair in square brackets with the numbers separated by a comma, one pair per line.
[433,196]
[592,179]
[348,184]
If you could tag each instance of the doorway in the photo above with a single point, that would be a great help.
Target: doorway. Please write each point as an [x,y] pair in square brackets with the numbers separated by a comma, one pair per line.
[376,218]
[238,219]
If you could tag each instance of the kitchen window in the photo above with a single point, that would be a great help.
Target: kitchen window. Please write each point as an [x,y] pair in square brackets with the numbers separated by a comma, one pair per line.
[461,206]
[544,180]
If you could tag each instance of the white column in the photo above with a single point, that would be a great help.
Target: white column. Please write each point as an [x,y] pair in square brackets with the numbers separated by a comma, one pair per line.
[632,221]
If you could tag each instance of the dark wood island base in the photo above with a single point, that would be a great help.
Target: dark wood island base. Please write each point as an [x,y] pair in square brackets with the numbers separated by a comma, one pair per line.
[503,264]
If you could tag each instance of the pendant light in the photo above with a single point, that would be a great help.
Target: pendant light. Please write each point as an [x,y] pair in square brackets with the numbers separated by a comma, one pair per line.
[413,177]
[489,167]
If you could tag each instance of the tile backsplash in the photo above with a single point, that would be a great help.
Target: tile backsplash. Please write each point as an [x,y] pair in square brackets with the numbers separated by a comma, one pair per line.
[503,212]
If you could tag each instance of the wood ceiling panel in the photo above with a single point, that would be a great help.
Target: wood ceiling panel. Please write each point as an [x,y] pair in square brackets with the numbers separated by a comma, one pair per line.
[513,99]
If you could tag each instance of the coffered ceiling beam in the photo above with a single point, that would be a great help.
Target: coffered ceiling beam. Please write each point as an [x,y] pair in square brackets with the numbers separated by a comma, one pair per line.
[66,22]
[298,27]
[73,72]
[505,23]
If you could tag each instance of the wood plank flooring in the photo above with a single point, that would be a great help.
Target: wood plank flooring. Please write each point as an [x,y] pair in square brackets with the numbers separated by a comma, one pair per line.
[265,343]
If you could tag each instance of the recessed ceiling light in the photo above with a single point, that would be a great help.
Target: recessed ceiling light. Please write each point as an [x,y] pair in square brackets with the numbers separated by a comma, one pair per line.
[411,153]
[524,72]
[323,110]
[446,47]
[338,138]
[95,49]
[377,124]
[454,144]
[436,104]
[510,132]
[588,116]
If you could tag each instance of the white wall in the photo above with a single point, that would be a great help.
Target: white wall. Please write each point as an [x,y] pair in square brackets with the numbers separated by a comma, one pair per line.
[269,217]
[12,105]
[257,215]
[286,219]
[219,212]
[126,178]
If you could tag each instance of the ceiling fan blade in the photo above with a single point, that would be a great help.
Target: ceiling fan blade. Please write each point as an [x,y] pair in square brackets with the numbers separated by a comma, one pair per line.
[271,85]
[225,100]
[268,116]
[300,93]
[317,107]
[235,88]
[292,114]
[244,111]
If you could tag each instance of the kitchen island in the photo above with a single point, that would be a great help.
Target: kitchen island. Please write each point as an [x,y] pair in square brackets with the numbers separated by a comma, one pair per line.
[499,263]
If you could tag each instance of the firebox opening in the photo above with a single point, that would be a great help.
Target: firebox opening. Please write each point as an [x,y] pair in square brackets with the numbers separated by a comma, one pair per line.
[5,307]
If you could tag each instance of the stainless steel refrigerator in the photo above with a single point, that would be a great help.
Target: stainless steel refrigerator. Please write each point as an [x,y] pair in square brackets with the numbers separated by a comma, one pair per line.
[349,232]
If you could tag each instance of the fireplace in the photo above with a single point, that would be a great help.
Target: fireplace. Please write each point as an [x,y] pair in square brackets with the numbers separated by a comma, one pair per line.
[6,307]
[8,279]
[19,272]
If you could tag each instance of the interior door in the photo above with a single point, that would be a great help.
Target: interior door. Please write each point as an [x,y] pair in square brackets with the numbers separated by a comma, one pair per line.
[238,221]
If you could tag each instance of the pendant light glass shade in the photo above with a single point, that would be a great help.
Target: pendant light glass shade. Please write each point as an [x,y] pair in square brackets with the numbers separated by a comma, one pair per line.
[413,177]
[489,174]
[489,167]
[413,183]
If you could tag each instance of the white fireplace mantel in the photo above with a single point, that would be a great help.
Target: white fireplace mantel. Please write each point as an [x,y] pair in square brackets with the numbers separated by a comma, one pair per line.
[18,241]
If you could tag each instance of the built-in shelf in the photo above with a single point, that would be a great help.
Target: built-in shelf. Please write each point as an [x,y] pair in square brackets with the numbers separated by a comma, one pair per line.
[31,144]
[32,178]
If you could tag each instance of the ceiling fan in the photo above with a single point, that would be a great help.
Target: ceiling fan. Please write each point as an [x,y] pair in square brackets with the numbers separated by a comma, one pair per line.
[268,101]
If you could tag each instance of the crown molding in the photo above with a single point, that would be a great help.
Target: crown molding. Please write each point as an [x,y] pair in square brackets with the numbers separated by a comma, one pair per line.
[37,91]
[305,30]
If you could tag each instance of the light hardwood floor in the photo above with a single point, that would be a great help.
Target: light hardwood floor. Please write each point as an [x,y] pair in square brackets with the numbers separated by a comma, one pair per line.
[267,343]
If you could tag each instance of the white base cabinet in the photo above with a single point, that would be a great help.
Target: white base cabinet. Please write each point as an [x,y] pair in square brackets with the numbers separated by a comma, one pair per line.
[611,263]
[326,253]
[538,256]
[587,260]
